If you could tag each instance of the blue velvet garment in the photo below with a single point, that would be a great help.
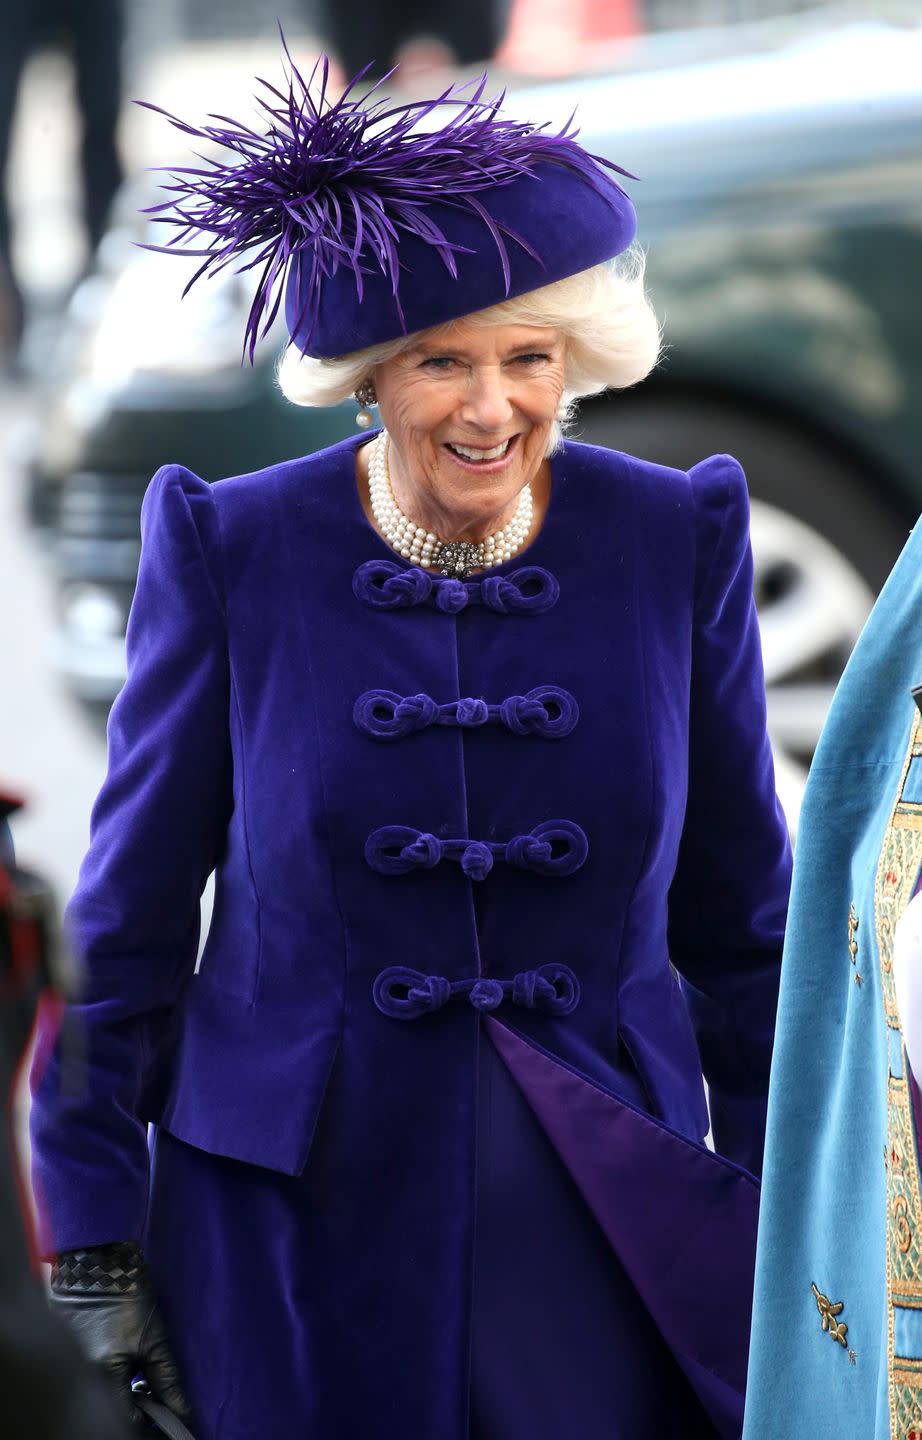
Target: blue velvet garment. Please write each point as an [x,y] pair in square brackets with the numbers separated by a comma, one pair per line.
[507,864]
[837,1323]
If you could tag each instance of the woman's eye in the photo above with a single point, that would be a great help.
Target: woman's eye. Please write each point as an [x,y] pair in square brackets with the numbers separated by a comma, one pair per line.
[438,362]
[531,358]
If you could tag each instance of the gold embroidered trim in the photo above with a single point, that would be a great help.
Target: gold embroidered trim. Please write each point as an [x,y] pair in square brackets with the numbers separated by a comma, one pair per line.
[829,1313]
[898,868]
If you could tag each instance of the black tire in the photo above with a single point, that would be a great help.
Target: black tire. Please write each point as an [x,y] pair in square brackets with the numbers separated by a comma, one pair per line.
[785,466]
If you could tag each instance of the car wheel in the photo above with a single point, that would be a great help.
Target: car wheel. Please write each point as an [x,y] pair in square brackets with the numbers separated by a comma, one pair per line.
[824,539]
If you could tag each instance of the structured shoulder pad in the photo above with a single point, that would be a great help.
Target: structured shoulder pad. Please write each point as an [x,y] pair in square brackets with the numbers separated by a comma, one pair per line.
[722,526]
[179,519]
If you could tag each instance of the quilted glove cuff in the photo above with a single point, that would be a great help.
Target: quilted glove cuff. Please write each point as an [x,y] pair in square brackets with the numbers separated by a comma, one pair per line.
[105,1270]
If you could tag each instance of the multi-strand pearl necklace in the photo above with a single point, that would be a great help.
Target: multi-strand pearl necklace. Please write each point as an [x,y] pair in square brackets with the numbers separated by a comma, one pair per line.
[421,547]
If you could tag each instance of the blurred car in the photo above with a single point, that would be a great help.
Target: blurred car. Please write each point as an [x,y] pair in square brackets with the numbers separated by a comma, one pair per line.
[781,203]
[155,382]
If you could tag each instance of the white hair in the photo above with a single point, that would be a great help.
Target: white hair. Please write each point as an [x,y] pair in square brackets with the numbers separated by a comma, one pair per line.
[612,339]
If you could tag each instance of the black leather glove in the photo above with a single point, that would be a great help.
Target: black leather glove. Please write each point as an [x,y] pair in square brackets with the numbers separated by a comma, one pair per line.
[105,1296]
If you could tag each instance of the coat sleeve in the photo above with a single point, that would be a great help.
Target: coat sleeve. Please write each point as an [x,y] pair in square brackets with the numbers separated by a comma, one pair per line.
[156,833]
[728,901]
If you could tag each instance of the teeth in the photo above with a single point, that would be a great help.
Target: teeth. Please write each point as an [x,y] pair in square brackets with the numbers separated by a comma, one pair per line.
[469,454]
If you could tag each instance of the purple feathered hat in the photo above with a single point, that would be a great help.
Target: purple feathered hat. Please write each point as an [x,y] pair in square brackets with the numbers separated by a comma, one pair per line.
[373,225]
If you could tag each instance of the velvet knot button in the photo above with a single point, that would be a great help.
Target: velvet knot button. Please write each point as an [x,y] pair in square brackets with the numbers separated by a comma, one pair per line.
[555,847]
[528,852]
[451,596]
[405,994]
[385,585]
[551,987]
[424,850]
[469,713]
[476,860]
[486,994]
[546,711]
[416,711]
[402,993]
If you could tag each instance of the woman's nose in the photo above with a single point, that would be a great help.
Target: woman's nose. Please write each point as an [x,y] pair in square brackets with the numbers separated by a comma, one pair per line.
[487,403]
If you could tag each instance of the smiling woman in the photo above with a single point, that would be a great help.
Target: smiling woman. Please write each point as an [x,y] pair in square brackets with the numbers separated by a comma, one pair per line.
[468,412]
[434,1096]
[474,408]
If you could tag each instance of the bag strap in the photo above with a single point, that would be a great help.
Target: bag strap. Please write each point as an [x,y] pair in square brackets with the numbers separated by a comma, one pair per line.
[162,1418]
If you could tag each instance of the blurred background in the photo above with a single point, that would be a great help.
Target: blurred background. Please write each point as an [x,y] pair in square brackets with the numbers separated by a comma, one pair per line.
[780,150]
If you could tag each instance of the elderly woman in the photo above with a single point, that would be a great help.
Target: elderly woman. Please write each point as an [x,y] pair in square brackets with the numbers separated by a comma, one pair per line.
[469,722]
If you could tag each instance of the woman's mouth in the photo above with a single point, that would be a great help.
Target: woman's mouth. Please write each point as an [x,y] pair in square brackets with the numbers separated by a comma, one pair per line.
[480,458]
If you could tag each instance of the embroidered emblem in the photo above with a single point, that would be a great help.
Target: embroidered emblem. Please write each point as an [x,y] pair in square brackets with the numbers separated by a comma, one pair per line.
[829,1313]
[853,943]
[900,862]
[901,1224]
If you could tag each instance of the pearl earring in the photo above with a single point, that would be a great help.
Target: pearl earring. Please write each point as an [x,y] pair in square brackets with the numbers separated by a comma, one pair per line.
[365,396]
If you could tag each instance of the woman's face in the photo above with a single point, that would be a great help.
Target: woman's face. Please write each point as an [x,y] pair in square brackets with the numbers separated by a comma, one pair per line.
[469,410]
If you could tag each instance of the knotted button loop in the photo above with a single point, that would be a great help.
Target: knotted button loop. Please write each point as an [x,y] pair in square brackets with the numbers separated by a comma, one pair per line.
[555,847]
[384,585]
[546,711]
[405,994]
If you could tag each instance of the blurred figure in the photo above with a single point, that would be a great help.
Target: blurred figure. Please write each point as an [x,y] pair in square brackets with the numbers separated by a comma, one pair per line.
[92,31]
[49,1393]
[420,35]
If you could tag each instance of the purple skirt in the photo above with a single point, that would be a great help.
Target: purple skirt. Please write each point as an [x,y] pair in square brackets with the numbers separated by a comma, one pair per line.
[562,1347]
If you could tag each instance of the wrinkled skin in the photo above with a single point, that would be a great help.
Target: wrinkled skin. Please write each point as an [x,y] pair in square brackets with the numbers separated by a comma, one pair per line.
[476,386]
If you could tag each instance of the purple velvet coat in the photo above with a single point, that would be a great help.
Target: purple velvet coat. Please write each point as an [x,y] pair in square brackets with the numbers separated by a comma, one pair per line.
[354,833]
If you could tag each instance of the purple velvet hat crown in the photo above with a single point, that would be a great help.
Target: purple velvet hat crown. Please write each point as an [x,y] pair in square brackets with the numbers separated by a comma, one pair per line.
[373,227]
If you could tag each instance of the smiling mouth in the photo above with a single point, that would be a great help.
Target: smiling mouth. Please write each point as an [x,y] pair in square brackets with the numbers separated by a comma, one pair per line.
[478,456]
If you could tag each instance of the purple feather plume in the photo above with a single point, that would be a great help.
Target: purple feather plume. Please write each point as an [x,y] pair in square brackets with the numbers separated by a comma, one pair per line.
[340,181]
